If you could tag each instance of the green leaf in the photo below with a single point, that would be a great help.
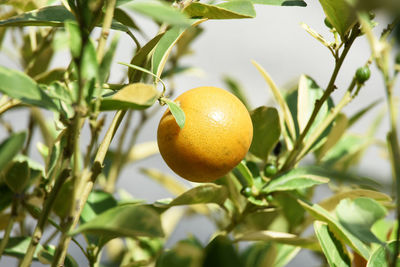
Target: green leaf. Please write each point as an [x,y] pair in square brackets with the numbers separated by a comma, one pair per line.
[266,131]
[358,216]
[177,112]
[46,256]
[50,76]
[186,253]
[227,10]
[331,202]
[245,176]
[128,220]
[221,252]
[74,38]
[298,178]
[259,220]
[340,232]
[17,177]
[159,11]
[53,16]
[140,58]
[279,237]
[306,95]
[10,147]
[338,129]
[280,2]
[285,254]
[335,252]
[291,209]
[207,193]
[18,85]
[132,96]
[165,45]
[340,14]
[105,65]
[379,256]
[97,203]
[346,151]
[17,247]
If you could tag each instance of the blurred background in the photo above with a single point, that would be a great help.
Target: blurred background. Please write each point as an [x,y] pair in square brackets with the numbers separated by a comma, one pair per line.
[276,41]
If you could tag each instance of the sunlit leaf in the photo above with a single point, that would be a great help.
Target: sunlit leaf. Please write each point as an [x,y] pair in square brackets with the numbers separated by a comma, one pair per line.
[132,96]
[340,14]
[379,256]
[159,11]
[18,85]
[128,220]
[300,3]
[227,10]
[297,178]
[358,216]
[335,252]
[207,193]
[340,232]
[279,237]
[177,112]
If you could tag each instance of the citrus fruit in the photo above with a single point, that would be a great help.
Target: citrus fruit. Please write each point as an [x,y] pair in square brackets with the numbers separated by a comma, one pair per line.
[216,136]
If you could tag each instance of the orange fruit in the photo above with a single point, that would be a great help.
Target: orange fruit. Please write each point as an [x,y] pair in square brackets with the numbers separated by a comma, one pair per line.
[216,136]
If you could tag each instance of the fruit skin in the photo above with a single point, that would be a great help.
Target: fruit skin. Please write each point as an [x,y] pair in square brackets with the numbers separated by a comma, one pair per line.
[216,136]
[363,74]
[270,170]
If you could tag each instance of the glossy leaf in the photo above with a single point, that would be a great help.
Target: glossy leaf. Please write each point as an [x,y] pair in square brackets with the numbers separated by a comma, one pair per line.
[17,247]
[159,12]
[279,237]
[335,252]
[177,112]
[97,203]
[227,10]
[285,254]
[105,65]
[379,256]
[132,96]
[331,202]
[65,199]
[340,232]
[207,193]
[305,98]
[140,58]
[53,16]
[10,147]
[221,252]
[243,174]
[18,85]
[300,3]
[340,14]
[128,220]
[266,131]
[338,129]
[358,216]
[298,178]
